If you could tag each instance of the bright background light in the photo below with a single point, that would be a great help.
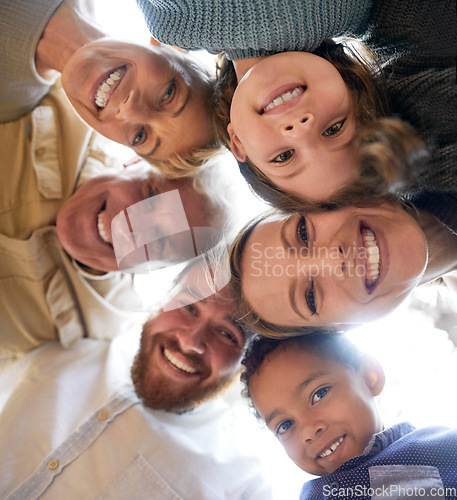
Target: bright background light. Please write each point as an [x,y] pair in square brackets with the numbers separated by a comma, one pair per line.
[419,360]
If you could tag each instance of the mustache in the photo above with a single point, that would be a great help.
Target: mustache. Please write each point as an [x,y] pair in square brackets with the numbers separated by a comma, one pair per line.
[194,360]
[160,341]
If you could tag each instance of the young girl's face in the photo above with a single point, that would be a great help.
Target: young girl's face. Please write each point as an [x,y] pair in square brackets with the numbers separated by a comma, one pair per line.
[292,115]
[345,266]
[322,411]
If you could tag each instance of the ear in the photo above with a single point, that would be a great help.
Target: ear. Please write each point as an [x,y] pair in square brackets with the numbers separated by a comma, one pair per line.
[373,374]
[132,161]
[235,144]
[153,41]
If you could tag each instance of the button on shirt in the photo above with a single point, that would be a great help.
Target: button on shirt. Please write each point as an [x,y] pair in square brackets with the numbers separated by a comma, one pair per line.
[72,427]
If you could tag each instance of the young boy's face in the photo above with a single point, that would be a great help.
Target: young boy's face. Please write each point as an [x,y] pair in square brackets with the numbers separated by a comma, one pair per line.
[292,116]
[322,411]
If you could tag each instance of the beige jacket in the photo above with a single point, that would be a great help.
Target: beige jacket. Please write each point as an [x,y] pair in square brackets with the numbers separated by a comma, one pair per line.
[44,295]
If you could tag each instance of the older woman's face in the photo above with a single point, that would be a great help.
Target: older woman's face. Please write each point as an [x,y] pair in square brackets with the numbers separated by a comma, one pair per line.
[146,98]
[347,266]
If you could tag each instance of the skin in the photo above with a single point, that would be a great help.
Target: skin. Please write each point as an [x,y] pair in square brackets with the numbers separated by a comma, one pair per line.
[77,226]
[157,98]
[202,337]
[309,402]
[304,146]
[313,270]
[160,93]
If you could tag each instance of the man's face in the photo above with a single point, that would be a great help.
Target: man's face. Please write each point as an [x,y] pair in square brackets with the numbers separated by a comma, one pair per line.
[84,221]
[188,354]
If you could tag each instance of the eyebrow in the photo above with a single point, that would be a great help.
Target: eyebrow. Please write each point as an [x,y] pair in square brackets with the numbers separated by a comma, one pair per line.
[293,286]
[300,387]
[154,148]
[181,109]
[174,115]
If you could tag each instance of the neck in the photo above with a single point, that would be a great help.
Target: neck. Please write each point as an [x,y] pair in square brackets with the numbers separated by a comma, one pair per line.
[442,248]
[70,28]
[242,66]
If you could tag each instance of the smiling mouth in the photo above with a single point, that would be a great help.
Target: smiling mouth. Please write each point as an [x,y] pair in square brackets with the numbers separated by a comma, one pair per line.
[102,228]
[282,98]
[373,262]
[331,449]
[108,86]
[183,367]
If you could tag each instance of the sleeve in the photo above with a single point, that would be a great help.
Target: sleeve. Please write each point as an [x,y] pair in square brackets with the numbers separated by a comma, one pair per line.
[21,88]
[243,28]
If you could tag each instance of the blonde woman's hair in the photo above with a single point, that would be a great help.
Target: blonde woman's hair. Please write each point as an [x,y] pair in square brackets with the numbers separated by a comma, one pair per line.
[388,148]
[179,166]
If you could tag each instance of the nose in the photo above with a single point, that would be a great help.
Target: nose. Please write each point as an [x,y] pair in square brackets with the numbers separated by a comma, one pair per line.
[327,261]
[192,337]
[130,108]
[310,430]
[297,125]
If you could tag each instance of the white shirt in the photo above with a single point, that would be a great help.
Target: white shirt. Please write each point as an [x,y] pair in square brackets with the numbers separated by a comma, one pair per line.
[71,427]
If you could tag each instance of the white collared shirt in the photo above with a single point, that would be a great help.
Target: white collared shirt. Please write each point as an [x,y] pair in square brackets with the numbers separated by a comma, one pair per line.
[72,428]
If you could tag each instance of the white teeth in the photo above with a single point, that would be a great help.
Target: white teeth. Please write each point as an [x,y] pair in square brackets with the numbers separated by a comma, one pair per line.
[287,96]
[178,364]
[101,228]
[373,260]
[106,87]
[332,448]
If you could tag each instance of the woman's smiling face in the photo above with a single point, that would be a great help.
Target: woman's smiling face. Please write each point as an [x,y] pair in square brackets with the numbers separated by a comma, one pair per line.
[347,266]
[151,99]
[292,115]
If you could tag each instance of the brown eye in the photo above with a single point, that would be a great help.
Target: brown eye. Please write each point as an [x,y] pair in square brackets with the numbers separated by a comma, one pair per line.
[334,129]
[284,156]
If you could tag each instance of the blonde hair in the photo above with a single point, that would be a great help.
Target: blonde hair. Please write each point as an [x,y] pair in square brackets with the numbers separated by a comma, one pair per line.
[179,166]
[388,148]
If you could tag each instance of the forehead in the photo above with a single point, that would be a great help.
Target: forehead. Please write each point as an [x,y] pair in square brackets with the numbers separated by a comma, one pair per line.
[292,367]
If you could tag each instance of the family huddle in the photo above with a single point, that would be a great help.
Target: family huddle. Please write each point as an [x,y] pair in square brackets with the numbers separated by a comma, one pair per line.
[341,116]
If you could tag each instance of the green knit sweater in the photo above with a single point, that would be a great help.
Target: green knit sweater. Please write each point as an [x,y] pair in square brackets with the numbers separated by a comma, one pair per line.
[248,28]
[22,23]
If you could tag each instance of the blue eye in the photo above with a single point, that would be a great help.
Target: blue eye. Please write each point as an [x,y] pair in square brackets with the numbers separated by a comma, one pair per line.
[302,232]
[319,394]
[284,156]
[139,138]
[284,427]
[169,92]
[192,309]
[310,298]
[333,129]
